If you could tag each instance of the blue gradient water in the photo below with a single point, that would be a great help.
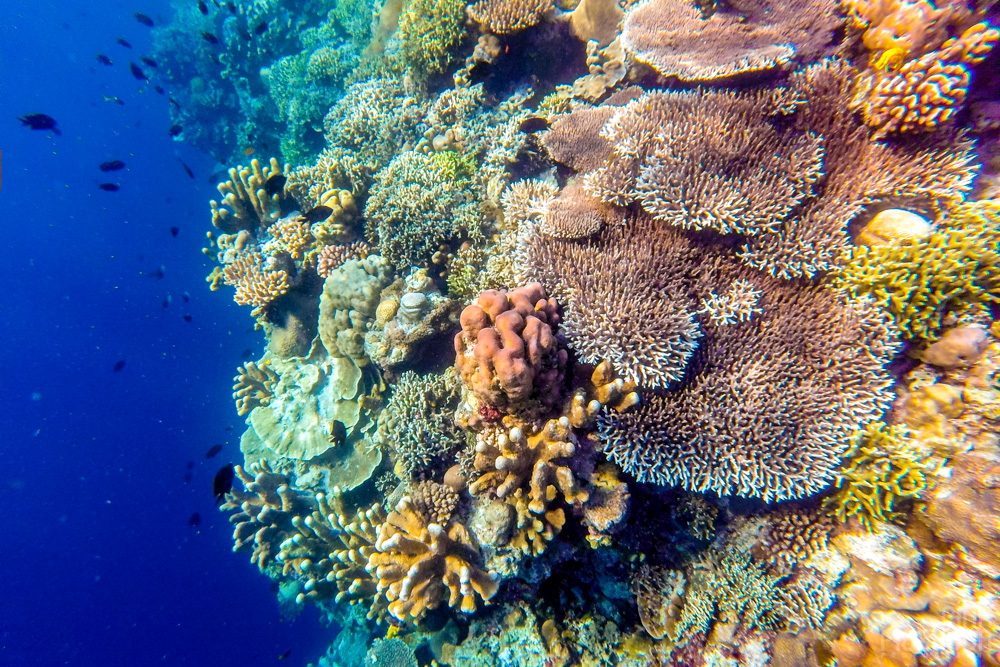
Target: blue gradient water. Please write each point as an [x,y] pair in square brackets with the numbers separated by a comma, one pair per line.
[98,563]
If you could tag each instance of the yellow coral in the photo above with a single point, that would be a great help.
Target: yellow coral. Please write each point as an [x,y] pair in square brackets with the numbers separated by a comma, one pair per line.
[253,386]
[247,202]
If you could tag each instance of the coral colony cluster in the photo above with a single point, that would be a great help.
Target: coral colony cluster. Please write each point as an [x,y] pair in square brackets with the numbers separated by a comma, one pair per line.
[614,332]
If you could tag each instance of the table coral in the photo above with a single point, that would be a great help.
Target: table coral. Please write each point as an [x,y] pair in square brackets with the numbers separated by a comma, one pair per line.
[507,352]
[677,39]
[930,282]
[253,386]
[927,92]
[420,564]
[508,16]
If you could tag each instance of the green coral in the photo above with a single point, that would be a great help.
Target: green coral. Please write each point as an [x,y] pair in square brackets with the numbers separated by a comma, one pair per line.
[884,467]
[431,29]
[416,209]
[927,284]
[417,425]
[453,166]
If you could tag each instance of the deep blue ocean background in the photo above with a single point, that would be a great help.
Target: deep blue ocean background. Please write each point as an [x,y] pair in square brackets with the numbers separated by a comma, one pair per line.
[99,565]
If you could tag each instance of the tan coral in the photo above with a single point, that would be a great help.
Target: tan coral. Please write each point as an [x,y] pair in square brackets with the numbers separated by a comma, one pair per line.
[256,284]
[333,256]
[292,236]
[420,564]
[253,386]
[246,203]
[508,16]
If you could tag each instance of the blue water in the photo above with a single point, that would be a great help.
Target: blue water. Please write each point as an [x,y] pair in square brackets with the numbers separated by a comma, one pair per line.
[99,565]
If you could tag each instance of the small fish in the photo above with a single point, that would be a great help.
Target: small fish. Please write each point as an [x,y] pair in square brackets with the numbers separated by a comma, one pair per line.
[186,297]
[247,354]
[114,99]
[261,28]
[40,121]
[223,482]
[232,7]
[284,656]
[212,451]
[275,184]
[230,427]
[194,520]
[174,102]
[148,61]
[318,214]
[112,165]
[189,465]
[202,7]
[123,43]
[338,433]
[158,273]
[175,130]
[103,59]
[159,90]
[188,318]
[174,231]
[187,169]
[533,124]
[209,37]
[143,19]
[119,365]
[246,36]
[187,477]
[165,304]
[109,187]
[137,72]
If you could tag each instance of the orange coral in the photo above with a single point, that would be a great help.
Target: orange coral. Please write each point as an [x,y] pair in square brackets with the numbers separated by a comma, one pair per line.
[908,26]
[256,285]
[333,256]
[507,352]
[927,92]
[292,235]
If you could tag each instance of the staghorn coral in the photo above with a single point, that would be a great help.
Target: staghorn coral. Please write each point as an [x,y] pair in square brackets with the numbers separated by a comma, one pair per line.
[419,564]
[831,169]
[928,283]
[417,426]
[508,16]
[256,283]
[253,386]
[526,200]
[803,603]
[882,469]
[676,39]
[737,305]
[247,198]
[347,306]
[507,352]
[927,92]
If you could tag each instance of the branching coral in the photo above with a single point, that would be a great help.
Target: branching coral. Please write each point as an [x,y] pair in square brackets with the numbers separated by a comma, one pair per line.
[931,282]
[430,29]
[420,563]
[417,426]
[250,199]
[253,386]
[507,16]
[256,283]
[332,257]
[675,38]
[883,468]
[793,535]
[507,352]
[927,92]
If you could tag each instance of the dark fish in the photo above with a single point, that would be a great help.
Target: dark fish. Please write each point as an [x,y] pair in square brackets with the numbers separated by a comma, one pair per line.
[189,465]
[186,297]
[159,90]
[209,37]
[143,19]
[187,477]
[158,273]
[232,7]
[202,7]
[166,304]
[230,427]
[533,124]
[103,59]
[123,43]
[175,130]
[194,520]
[284,656]
[212,451]
[223,482]
[247,354]
[112,165]
[148,61]
[260,29]
[338,433]
[246,36]
[109,187]
[318,214]
[120,364]
[174,231]
[275,184]
[187,169]
[114,99]
[174,102]
[40,121]
[188,318]
[137,72]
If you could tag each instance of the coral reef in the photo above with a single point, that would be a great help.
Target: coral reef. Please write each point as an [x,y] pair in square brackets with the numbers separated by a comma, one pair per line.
[430,29]
[248,198]
[677,40]
[253,386]
[347,306]
[507,16]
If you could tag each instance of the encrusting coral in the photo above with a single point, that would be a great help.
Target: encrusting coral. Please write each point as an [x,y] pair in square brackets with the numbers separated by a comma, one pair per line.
[253,386]
[348,303]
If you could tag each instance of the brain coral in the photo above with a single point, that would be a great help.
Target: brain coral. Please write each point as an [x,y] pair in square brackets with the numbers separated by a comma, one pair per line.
[762,407]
